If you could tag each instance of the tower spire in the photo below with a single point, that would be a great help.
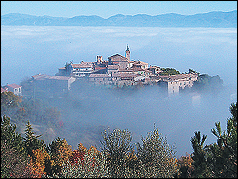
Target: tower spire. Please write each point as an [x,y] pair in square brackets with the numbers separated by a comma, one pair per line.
[127,48]
[127,52]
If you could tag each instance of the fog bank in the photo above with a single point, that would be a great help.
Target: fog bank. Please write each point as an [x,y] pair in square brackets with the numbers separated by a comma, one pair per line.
[26,51]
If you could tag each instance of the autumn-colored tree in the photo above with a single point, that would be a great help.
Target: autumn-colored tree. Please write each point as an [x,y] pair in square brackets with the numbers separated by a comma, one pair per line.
[78,155]
[38,162]
[186,168]
[85,164]
[60,153]
[14,164]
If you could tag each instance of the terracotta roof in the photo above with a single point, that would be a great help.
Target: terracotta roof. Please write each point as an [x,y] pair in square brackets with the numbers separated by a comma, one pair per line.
[181,77]
[43,76]
[99,68]
[116,55]
[13,85]
[125,71]
[140,63]
[40,76]
[82,65]
[3,90]
[153,67]
[99,76]
[122,58]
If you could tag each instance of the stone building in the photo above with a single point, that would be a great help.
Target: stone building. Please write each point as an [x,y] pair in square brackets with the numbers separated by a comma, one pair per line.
[16,89]
[119,60]
[174,83]
[51,85]
[140,64]
[105,79]
[76,70]
[155,69]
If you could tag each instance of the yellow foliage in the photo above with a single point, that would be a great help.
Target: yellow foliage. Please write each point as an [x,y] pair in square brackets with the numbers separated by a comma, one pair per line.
[81,148]
[38,162]
[93,150]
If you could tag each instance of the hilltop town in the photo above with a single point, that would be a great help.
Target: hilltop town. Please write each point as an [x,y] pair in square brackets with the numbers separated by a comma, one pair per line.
[117,71]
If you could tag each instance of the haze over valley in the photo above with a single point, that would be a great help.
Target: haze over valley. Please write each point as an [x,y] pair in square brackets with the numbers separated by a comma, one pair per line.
[30,50]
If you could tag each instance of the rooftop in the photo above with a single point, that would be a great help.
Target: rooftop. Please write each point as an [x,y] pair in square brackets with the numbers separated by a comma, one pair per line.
[13,85]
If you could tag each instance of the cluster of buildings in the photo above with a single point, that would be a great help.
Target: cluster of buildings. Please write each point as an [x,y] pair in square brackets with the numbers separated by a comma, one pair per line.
[121,71]
[117,71]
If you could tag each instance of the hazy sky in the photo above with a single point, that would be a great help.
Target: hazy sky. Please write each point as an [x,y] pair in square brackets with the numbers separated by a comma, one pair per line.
[106,9]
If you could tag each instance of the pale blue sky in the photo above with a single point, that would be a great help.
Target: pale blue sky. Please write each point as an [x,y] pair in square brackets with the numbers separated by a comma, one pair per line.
[106,9]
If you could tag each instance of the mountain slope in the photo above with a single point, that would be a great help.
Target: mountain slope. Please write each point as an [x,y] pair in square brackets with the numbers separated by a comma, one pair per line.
[211,19]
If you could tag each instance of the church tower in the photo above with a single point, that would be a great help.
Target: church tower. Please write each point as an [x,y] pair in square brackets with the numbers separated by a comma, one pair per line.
[127,53]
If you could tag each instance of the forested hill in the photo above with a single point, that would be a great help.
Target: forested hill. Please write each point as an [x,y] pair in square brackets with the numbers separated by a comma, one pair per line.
[212,19]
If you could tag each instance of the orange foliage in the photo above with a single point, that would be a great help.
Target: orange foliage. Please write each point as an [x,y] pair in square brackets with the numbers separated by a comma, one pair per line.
[186,166]
[38,162]
[186,160]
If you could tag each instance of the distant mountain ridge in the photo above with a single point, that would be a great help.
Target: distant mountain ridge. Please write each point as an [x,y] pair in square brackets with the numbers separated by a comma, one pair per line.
[211,19]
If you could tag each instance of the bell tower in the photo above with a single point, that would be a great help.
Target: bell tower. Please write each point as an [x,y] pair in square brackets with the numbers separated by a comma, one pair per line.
[127,53]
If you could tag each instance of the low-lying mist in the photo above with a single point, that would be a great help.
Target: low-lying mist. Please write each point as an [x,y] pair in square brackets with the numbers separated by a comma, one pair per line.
[89,109]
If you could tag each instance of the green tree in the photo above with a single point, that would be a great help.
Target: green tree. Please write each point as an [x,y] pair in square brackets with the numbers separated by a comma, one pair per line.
[157,157]
[169,71]
[31,140]
[14,161]
[116,147]
[200,156]
[224,153]
[9,136]
[218,159]
[185,166]
[208,83]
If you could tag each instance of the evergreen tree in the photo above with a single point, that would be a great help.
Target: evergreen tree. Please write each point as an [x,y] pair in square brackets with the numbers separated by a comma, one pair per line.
[224,153]
[14,161]
[9,136]
[218,159]
[199,156]
[31,140]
